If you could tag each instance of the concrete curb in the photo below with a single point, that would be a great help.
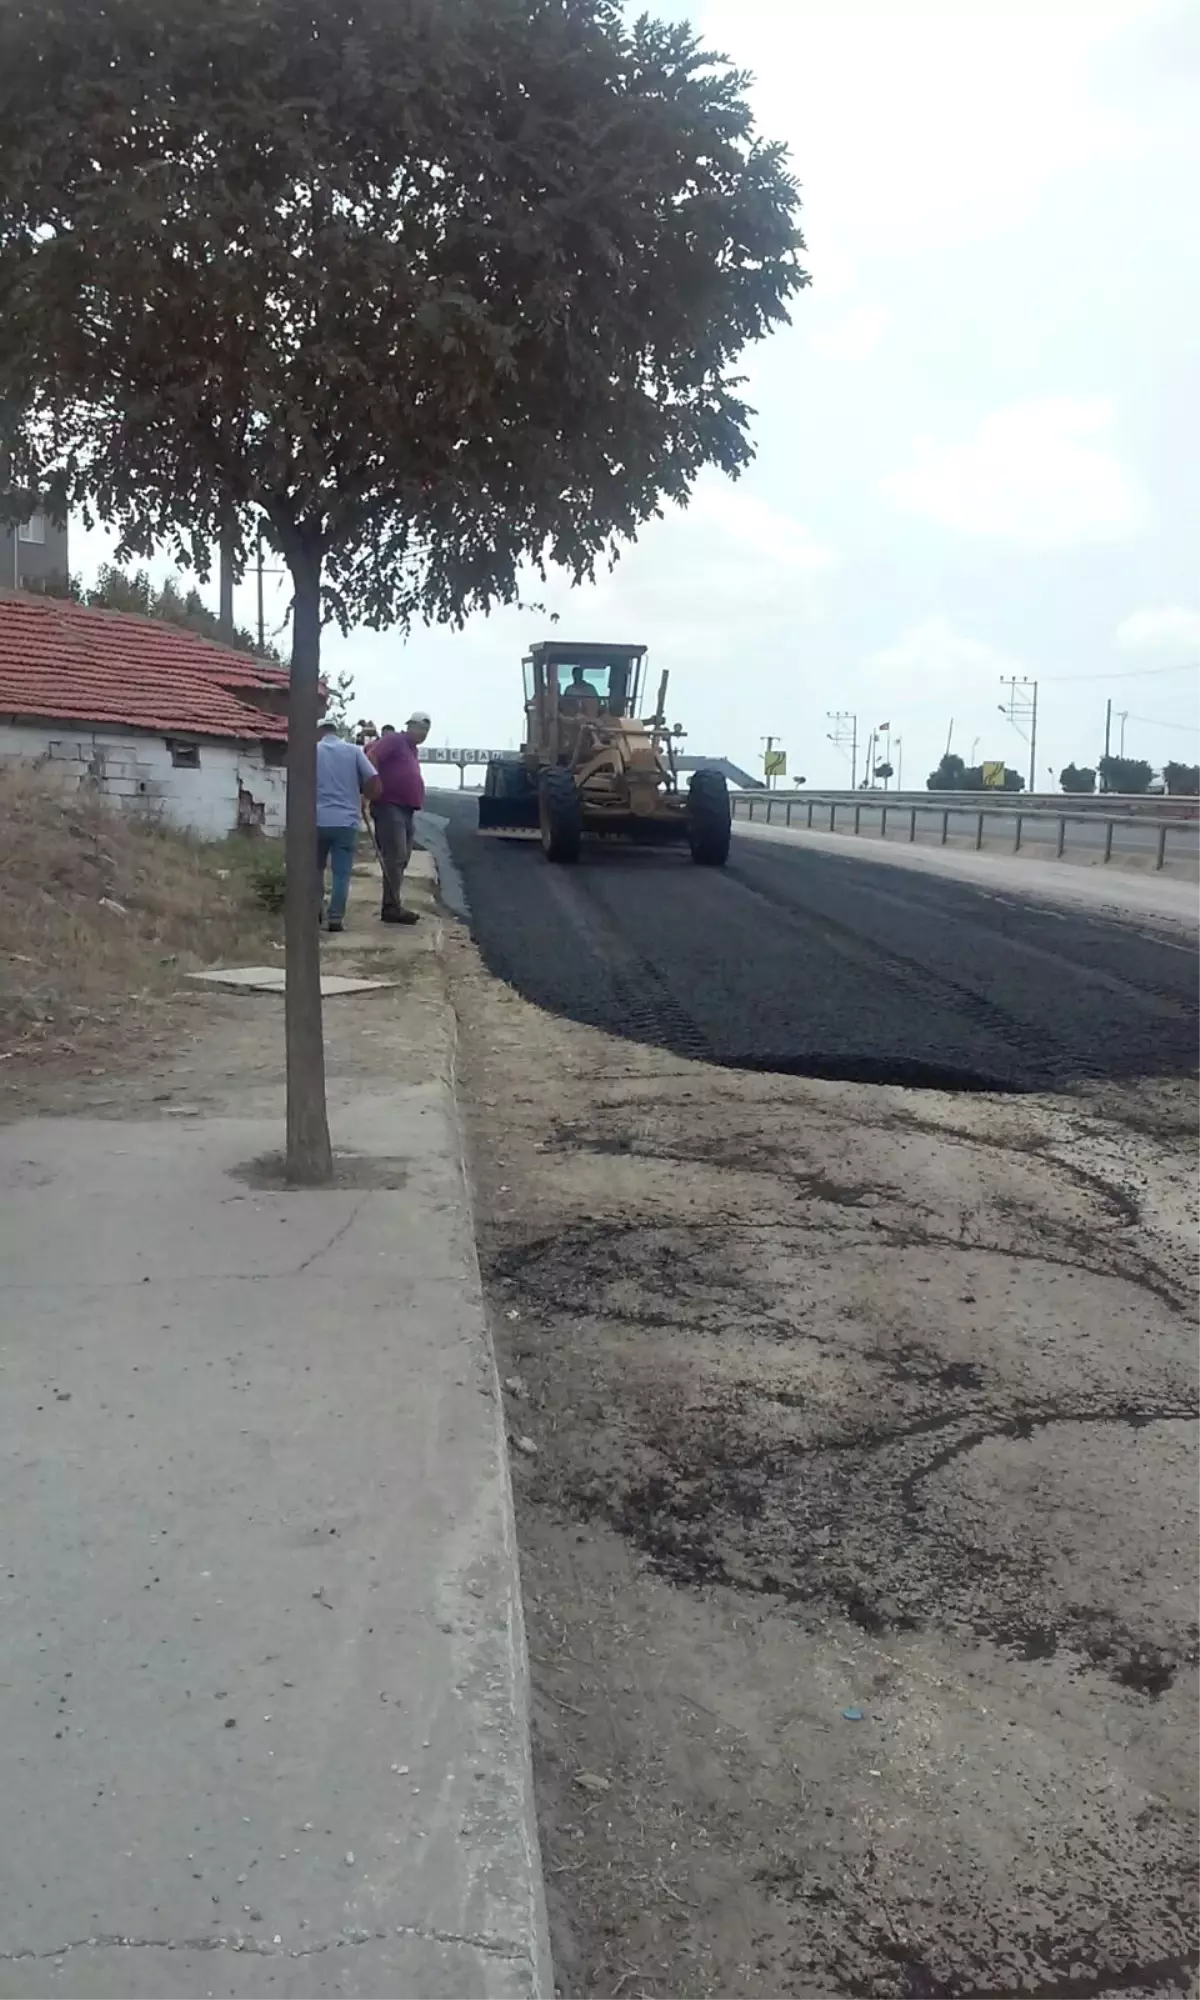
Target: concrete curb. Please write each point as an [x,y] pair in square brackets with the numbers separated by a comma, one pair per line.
[538,1922]
[436,856]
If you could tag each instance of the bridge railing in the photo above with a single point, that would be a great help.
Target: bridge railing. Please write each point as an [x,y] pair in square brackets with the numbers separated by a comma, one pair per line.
[974,819]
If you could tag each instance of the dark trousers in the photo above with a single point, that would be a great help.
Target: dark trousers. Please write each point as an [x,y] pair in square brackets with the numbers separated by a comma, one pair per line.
[335,851]
[394,833]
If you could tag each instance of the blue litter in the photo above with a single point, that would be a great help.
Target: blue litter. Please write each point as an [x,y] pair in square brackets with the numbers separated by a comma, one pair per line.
[852,1715]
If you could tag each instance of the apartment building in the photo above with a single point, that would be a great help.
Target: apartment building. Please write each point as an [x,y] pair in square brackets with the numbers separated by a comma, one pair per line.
[32,552]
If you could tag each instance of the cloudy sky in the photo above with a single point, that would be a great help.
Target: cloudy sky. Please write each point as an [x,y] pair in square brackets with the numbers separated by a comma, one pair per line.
[977,442]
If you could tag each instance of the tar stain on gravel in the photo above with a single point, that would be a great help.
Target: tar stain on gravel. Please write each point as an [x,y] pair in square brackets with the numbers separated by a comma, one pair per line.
[824,966]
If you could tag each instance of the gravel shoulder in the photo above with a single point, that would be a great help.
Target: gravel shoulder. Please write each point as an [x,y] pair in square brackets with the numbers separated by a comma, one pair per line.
[858,1530]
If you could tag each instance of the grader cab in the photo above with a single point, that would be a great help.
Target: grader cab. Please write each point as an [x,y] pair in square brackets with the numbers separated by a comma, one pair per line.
[591,764]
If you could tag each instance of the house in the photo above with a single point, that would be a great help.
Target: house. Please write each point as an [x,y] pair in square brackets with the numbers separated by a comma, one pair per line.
[33,552]
[153,717]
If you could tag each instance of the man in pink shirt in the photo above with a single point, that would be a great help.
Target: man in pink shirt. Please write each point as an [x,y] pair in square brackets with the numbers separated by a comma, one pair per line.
[401,794]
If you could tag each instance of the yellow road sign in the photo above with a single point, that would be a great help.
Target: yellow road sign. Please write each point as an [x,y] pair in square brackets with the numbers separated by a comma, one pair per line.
[993,777]
[775,764]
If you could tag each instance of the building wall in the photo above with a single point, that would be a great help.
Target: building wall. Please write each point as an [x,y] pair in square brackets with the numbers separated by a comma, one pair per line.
[138,773]
[26,564]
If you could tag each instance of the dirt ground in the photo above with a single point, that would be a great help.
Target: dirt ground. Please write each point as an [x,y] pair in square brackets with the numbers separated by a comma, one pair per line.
[855,1457]
[858,1527]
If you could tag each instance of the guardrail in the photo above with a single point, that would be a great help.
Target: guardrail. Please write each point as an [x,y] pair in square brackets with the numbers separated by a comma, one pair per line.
[971,820]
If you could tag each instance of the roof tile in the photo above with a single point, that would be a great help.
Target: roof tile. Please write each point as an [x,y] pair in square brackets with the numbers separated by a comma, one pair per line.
[66,662]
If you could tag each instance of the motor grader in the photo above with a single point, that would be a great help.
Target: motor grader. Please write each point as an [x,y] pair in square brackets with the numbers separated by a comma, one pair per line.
[590,765]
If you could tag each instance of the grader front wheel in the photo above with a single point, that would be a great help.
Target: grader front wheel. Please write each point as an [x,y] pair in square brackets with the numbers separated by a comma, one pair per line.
[560,816]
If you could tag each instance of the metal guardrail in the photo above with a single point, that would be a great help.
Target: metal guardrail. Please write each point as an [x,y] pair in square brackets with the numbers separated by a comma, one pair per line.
[833,812]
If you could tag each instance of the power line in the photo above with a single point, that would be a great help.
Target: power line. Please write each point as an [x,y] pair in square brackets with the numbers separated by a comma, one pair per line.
[1159,722]
[1128,674]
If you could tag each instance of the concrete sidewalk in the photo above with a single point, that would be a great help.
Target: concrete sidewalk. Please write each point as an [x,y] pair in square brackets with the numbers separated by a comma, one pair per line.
[261,1648]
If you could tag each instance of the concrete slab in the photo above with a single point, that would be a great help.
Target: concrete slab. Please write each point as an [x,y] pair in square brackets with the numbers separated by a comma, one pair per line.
[260,1625]
[272,979]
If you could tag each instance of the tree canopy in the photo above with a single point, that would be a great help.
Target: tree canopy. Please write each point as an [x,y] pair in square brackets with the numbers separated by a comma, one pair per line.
[1078,778]
[432,289]
[117,589]
[1182,780]
[1126,774]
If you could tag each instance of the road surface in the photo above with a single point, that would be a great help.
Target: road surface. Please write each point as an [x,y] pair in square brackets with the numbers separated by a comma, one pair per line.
[828,965]
[856,1469]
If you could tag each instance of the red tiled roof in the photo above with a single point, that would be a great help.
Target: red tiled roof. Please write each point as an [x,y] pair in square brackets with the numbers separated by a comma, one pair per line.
[64,662]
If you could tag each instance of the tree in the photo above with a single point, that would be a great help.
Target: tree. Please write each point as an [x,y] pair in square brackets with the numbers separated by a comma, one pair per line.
[432,289]
[1078,778]
[339,693]
[1126,774]
[950,776]
[883,771]
[1182,780]
[116,589]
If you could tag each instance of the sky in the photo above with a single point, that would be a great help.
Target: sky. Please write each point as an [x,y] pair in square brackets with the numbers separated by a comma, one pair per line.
[976,441]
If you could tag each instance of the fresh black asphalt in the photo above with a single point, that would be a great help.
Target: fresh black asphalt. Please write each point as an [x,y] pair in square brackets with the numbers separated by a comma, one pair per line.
[817,964]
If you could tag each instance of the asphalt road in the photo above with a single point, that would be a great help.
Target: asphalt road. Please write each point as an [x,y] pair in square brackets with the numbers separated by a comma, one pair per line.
[814,964]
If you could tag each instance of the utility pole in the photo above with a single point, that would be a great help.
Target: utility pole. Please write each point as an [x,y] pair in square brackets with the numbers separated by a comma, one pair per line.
[1022,707]
[1124,713]
[1107,743]
[845,731]
[899,763]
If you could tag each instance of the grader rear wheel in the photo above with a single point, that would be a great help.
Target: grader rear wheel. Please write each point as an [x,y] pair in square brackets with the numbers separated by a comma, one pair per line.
[709,819]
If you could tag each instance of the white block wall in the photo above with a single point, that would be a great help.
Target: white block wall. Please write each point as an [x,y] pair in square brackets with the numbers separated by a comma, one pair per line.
[136,772]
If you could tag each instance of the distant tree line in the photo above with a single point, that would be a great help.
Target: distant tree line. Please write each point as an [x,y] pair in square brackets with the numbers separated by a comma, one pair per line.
[1131,775]
[116,589]
[953,775]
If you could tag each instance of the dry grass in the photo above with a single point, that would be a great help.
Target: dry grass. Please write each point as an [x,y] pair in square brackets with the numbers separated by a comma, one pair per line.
[78,975]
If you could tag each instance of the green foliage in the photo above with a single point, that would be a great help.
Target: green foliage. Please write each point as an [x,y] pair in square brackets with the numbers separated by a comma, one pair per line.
[884,771]
[439,286]
[339,693]
[1078,778]
[952,775]
[1126,774]
[268,875]
[116,589]
[1182,780]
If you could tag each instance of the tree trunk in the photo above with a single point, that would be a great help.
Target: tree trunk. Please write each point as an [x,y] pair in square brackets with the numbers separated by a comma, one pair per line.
[309,1154]
[225,586]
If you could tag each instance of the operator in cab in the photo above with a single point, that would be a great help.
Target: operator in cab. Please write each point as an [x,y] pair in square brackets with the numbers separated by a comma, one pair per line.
[580,697]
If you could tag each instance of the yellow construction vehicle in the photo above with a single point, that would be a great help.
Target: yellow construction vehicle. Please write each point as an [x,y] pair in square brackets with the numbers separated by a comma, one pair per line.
[590,765]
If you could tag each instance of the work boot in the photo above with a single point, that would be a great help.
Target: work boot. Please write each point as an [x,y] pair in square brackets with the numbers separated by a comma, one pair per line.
[399,917]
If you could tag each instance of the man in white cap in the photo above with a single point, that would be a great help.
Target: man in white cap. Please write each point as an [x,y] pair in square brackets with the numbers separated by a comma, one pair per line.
[401,794]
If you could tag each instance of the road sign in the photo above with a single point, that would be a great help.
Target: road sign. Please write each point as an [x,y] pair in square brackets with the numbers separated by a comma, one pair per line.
[775,764]
[431,756]
[993,777]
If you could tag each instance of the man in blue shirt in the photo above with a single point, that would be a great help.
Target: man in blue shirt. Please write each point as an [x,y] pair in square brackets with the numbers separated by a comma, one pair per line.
[345,778]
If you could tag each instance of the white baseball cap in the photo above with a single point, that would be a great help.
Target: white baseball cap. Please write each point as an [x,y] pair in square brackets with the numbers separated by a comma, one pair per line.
[419,715]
